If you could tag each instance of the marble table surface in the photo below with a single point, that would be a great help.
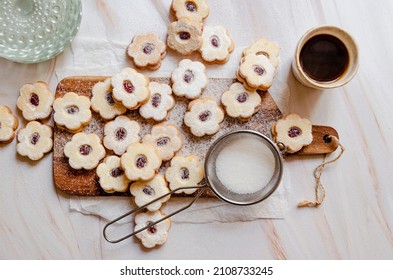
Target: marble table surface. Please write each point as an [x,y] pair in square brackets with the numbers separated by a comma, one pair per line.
[356,218]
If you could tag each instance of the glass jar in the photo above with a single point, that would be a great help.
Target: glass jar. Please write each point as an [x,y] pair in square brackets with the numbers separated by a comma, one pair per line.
[36,30]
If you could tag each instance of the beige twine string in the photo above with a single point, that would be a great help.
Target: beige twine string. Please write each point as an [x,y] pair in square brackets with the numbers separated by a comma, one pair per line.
[320,192]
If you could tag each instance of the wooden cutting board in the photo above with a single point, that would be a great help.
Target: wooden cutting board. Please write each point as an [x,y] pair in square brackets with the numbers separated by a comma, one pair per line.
[85,182]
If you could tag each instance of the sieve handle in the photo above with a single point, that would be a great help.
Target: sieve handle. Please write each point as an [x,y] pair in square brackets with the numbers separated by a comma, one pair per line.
[200,192]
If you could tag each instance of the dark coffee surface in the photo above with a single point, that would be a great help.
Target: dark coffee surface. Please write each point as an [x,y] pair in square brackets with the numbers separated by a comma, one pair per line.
[324,58]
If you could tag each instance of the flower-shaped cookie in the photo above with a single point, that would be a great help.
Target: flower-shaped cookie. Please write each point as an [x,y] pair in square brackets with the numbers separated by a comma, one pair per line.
[34,140]
[160,102]
[203,117]
[8,124]
[103,103]
[120,133]
[84,151]
[293,131]
[146,191]
[155,234]
[256,71]
[196,10]
[239,102]
[166,138]
[141,161]
[147,51]
[189,79]
[130,88]
[35,101]
[184,172]
[217,44]
[111,176]
[264,47]
[72,111]
[184,36]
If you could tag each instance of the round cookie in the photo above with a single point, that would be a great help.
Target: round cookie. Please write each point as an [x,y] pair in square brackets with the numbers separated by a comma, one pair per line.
[166,138]
[189,79]
[184,172]
[72,111]
[103,103]
[147,51]
[196,10]
[203,117]
[130,88]
[146,191]
[240,102]
[160,102]
[140,162]
[217,44]
[35,101]
[184,36]
[84,151]
[8,124]
[120,133]
[34,140]
[111,176]
[155,234]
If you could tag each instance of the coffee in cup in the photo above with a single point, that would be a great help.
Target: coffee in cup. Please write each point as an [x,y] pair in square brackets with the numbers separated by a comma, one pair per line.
[325,57]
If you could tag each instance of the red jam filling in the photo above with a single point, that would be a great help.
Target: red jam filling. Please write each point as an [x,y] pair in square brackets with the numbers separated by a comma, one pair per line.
[34,100]
[34,138]
[184,173]
[152,228]
[242,97]
[162,141]
[72,110]
[109,98]
[120,133]
[85,149]
[117,172]
[148,190]
[184,35]
[188,76]
[294,131]
[259,70]
[128,86]
[215,41]
[204,116]
[148,48]
[191,6]
[141,162]
[156,100]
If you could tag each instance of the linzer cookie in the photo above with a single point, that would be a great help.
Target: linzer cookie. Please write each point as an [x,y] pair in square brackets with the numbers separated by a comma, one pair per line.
[34,140]
[155,234]
[147,51]
[203,116]
[293,131]
[166,138]
[8,124]
[141,161]
[35,101]
[84,151]
[111,176]
[240,102]
[130,88]
[184,172]
[189,79]
[146,191]
[120,133]
[103,103]
[217,44]
[256,72]
[264,47]
[185,36]
[196,10]
[72,111]
[160,102]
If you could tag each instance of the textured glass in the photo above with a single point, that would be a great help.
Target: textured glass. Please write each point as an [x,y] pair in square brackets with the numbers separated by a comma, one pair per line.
[37,30]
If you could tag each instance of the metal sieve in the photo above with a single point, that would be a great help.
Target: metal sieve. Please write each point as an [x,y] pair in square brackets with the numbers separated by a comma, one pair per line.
[213,182]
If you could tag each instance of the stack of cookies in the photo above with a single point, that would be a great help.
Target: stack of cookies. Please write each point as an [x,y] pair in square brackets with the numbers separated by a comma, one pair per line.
[259,65]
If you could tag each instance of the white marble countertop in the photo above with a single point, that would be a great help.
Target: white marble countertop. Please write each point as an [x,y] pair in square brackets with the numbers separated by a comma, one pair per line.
[354,222]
